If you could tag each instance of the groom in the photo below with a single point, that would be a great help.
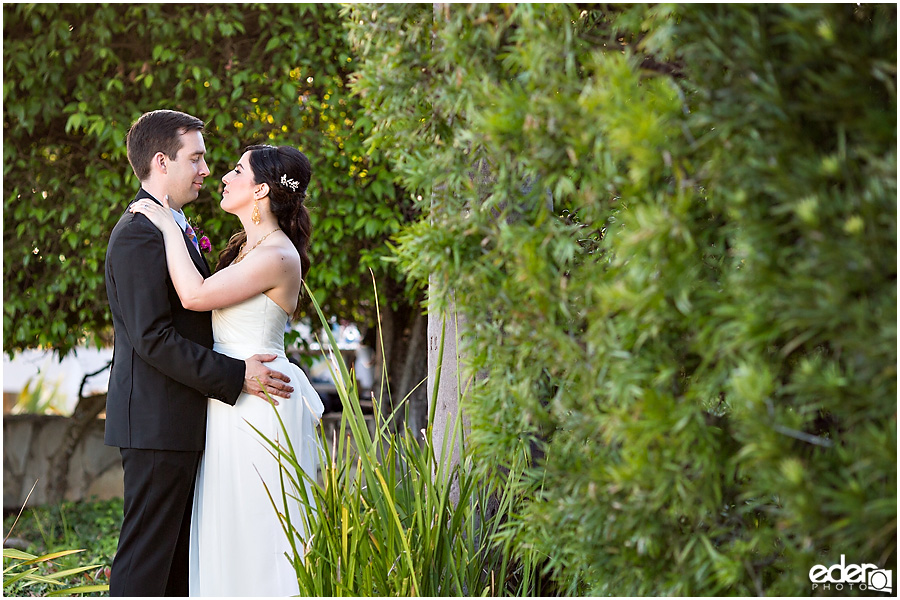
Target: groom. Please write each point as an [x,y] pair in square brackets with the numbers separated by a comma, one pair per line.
[163,366]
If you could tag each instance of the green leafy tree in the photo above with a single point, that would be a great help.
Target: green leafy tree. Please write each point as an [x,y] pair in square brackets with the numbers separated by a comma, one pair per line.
[77,76]
[698,334]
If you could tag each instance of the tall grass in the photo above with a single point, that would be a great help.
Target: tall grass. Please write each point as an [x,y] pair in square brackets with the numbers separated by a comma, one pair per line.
[393,517]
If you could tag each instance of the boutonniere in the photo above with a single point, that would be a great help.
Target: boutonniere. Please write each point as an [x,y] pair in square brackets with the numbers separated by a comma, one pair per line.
[197,235]
[203,241]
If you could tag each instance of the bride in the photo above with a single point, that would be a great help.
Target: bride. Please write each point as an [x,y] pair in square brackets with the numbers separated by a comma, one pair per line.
[237,543]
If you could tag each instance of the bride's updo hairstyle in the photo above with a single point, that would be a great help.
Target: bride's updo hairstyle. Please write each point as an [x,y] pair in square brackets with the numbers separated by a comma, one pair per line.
[287,172]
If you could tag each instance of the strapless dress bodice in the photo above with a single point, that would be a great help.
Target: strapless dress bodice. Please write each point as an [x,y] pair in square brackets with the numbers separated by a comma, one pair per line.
[254,326]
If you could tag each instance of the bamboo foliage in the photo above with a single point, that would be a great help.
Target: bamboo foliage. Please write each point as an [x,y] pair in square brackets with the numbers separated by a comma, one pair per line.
[696,339]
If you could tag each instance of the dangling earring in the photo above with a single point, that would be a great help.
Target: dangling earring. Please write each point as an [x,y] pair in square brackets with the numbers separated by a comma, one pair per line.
[255,215]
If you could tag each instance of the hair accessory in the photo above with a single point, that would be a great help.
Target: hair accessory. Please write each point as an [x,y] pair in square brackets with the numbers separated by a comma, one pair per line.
[291,183]
[255,215]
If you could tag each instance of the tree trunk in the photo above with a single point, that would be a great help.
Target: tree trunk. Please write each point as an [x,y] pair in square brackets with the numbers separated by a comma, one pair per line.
[401,353]
[87,409]
[79,425]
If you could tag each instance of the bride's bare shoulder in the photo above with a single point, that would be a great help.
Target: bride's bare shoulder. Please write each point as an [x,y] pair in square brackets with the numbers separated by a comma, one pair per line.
[283,252]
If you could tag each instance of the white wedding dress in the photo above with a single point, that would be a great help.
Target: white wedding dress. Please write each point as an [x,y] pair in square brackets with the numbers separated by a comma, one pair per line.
[237,542]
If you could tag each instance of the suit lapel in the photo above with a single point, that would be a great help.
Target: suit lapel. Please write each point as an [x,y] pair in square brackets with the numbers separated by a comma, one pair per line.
[196,257]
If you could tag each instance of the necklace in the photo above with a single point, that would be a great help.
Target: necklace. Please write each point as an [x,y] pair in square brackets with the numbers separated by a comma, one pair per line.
[242,254]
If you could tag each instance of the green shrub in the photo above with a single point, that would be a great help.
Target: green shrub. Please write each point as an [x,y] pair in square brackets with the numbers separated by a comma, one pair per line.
[50,531]
[700,335]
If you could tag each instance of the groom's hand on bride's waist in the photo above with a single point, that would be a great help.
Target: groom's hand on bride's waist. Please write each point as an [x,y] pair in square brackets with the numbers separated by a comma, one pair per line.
[260,379]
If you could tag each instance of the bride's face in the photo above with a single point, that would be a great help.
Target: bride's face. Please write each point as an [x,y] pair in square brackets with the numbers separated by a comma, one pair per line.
[238,194]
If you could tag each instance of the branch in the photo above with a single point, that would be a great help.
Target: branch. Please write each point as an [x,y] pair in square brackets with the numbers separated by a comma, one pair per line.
[81,411]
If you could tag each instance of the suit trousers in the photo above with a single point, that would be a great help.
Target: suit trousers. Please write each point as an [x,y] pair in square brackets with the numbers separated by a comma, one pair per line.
[153,550]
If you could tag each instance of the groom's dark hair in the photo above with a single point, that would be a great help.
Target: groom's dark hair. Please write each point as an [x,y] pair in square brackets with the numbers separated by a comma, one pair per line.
[157,131]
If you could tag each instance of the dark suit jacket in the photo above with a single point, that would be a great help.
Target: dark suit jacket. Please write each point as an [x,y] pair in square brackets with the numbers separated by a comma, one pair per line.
[163,366]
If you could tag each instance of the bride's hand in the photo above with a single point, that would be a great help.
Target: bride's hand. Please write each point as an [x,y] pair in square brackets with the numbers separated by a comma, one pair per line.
[160,216]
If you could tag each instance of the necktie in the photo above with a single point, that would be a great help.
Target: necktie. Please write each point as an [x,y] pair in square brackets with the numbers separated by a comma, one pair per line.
[190,233]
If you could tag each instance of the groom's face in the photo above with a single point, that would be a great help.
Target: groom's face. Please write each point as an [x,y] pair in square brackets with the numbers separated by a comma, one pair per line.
[186,171]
